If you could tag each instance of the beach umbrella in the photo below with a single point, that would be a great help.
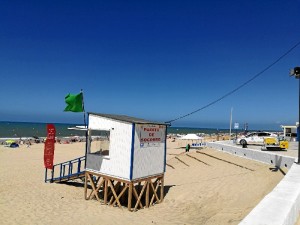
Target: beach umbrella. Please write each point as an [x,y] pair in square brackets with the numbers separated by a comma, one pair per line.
[10,141]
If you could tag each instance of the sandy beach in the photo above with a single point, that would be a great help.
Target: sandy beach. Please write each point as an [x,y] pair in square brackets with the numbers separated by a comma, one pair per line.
[202,187]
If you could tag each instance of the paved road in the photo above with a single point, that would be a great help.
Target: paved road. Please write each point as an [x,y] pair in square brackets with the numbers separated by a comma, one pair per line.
[291,151]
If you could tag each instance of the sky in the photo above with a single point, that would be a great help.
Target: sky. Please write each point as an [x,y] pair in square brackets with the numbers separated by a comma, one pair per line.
[156,60]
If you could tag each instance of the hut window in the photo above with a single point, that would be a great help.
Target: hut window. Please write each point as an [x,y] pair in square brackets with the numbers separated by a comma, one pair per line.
[99,142]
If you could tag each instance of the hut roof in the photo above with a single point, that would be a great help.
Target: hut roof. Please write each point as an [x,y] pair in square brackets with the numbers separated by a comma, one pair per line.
[127,119]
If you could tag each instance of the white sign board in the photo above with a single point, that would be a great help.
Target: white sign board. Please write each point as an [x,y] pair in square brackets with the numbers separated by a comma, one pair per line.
[151,135]
[236,125]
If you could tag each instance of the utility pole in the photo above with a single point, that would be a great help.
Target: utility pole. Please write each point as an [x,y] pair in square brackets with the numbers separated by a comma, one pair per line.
[296,72]
[230,123]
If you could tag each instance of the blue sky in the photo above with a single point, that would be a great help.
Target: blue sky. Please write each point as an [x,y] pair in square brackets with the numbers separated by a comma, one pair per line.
[155,60]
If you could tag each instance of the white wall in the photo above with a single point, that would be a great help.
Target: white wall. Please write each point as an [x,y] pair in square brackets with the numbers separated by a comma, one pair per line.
[148,161]
[118,162]
[281,206]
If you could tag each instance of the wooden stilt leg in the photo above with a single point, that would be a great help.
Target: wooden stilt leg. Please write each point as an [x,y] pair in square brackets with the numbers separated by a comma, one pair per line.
[162,189]
[85,186]
[105,190]
[147,193]
[129,196]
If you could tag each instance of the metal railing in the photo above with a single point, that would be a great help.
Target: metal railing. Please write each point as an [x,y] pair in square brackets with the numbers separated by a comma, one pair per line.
[67,170]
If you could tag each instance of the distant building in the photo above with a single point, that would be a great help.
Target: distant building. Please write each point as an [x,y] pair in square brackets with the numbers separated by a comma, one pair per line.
[290,131]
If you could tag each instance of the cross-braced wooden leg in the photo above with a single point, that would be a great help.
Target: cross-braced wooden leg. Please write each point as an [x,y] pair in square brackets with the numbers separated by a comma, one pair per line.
[156,184]
[93,184]
[114,193]
[140,196]
[121,193]
[96,191]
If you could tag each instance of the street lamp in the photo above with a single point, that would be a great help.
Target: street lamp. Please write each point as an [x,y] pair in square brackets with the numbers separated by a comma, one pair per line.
[296,72]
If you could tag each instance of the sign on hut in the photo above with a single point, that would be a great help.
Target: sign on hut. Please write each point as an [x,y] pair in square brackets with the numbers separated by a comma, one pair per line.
[125,160]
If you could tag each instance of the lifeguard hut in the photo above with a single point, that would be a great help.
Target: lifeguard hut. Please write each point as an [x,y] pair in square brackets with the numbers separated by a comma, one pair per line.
[125,161]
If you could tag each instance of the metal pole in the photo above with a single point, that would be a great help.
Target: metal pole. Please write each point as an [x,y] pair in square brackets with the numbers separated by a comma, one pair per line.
[299,126]
[296,72]
[235,134]
[230,124]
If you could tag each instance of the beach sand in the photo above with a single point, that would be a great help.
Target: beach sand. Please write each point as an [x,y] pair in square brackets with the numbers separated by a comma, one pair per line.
[200,189]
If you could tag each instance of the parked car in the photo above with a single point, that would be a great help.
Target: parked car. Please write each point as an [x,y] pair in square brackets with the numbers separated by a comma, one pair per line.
[256,138]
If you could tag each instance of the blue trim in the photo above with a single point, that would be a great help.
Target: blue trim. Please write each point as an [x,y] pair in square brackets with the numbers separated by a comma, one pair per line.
[132,152]
[165,156]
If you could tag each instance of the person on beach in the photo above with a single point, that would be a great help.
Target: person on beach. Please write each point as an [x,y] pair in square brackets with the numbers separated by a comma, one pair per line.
[187,148]
[28,144]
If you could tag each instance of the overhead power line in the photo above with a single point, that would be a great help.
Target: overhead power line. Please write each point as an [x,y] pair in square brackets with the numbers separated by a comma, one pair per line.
[239,87]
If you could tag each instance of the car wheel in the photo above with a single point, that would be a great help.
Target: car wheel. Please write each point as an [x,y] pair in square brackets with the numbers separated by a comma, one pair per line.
[243,142]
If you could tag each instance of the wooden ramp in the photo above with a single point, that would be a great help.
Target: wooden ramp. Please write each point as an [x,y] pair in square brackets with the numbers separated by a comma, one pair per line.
[65,171]
[67,178]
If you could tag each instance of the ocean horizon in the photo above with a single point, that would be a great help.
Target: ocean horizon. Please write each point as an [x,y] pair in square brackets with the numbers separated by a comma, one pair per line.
[10,129]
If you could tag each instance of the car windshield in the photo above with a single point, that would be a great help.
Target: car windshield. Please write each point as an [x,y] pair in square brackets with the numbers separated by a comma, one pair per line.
[259,134]
[250,135]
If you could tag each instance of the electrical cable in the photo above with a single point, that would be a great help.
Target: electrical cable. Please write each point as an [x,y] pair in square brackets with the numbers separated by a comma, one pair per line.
[239,87]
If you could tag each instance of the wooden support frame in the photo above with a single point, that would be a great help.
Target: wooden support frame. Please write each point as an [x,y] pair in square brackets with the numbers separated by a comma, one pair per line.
[141,193]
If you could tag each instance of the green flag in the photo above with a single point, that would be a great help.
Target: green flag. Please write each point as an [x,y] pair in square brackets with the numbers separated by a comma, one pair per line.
[74,103]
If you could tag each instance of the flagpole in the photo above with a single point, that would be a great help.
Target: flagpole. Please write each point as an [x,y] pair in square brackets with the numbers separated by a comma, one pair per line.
[86,131]
[84,119]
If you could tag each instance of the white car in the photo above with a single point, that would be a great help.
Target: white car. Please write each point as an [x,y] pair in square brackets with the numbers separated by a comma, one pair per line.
[256,138]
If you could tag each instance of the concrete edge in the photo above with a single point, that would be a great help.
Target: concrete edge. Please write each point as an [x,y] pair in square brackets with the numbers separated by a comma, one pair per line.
[261,156]
[282,205]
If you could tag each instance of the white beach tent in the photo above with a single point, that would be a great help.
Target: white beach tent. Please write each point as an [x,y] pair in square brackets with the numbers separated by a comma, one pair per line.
[191,137]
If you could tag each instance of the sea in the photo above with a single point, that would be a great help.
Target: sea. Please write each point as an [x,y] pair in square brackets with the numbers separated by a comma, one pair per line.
[31,129]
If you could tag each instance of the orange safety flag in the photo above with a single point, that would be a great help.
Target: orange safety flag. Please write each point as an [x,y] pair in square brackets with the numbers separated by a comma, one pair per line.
[49,147]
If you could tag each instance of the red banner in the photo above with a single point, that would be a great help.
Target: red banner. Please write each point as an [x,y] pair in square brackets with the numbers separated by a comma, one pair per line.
[49,147]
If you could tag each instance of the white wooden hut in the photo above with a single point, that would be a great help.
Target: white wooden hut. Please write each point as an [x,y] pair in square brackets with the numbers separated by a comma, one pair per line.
[126,156]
